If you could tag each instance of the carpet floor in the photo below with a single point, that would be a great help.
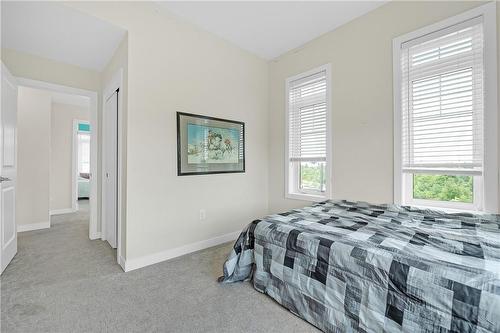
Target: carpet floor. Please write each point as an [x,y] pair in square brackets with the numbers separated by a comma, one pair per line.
[60,281]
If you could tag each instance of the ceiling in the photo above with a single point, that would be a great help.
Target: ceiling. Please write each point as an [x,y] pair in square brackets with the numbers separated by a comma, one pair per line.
[269,29]
[54,31]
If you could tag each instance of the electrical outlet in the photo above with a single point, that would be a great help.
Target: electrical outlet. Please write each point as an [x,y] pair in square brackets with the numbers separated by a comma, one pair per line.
[203,214]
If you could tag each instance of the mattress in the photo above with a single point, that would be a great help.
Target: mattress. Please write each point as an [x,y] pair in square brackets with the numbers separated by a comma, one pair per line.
[357,267]
[83,187]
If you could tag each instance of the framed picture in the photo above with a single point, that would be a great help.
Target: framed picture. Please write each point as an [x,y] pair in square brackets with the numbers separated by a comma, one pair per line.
[207,145]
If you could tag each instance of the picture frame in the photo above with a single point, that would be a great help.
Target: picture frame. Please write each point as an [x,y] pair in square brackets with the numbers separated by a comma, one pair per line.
[209,145]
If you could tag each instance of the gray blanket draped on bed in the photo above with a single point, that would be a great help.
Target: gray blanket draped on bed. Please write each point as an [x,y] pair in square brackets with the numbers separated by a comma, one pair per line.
[355,267]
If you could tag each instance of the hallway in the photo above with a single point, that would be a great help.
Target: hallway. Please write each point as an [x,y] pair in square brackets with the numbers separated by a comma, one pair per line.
[43,277]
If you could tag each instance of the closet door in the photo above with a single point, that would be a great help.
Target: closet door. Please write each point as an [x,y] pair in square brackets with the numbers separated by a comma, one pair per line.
[111,169]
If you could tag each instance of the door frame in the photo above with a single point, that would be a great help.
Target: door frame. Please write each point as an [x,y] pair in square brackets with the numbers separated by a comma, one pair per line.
[74,162]
[92,95]
[114,84]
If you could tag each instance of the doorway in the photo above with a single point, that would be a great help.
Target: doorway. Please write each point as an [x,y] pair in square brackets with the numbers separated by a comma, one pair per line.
[81,162]
[67,101]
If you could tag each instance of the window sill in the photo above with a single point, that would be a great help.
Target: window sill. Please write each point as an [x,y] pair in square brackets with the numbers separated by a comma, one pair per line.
[447,209]
[306,197]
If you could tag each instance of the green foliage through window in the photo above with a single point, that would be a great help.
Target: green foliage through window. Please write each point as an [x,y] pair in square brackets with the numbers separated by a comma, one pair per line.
[443,187]
[312,176]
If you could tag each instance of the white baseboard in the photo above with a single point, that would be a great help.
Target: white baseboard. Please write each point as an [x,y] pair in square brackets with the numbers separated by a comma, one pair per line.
[33,226]
[96,235]
[61,211]
[121,262]
[155,258]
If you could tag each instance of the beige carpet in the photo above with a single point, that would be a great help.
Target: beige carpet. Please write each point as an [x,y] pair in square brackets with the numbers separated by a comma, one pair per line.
[60,281]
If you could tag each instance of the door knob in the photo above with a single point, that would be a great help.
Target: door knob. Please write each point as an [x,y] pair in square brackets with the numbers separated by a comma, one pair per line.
[4,179]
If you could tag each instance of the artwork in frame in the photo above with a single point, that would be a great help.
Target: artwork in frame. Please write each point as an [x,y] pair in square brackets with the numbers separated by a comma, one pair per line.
[208,145]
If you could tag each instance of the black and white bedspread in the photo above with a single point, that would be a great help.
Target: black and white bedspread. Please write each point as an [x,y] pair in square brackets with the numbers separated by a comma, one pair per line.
[355,267]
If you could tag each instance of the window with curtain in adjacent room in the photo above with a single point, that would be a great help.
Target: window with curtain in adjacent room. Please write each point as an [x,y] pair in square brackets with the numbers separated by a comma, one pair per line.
[83,152]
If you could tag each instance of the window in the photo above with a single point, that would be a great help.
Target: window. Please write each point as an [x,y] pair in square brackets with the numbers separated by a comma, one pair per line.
[83,148]
[308,135]
[445,153]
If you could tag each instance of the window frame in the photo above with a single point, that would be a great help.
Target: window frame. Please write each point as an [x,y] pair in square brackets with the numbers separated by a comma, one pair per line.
[292,169]
[475,205]
[485,186]
[79,135]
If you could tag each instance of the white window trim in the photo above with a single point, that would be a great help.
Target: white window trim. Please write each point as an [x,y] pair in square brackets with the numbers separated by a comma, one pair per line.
[488,194]
[289,190]
[476,205]
[78,132]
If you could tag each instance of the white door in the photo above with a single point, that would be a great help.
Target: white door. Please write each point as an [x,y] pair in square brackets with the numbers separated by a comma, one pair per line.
[111,168]
[8,168]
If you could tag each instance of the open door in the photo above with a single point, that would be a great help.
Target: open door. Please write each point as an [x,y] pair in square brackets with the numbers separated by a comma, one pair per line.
[8,168]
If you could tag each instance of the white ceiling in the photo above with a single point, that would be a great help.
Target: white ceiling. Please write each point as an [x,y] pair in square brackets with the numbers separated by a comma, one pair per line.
[269,29]
[52,30]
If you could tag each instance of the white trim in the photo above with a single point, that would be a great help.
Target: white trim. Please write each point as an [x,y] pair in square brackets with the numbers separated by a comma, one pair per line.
[33,226]
[397,158]
[475,206]
[329,134]
[121,262]
[305,197]
[97,235]
[61,211]
[92,95]
[155,258]
[115,83]
[449,210]
[490,179]
[490,169]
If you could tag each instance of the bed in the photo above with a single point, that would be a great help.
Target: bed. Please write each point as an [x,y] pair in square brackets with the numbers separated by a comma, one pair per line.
[83,186]
[357,267]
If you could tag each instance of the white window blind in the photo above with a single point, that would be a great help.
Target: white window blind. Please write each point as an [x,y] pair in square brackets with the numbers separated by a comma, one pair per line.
[442,101]
[307,118]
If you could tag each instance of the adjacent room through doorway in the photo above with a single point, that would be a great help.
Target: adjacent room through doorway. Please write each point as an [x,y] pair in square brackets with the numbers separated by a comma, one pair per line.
[54,154]
[81,130]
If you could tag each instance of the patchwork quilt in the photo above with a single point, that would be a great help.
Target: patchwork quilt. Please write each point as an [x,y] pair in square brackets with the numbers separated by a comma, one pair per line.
[356,267]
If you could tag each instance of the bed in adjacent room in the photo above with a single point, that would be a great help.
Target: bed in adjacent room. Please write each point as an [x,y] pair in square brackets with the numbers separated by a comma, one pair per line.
[83,186]
[355,267]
